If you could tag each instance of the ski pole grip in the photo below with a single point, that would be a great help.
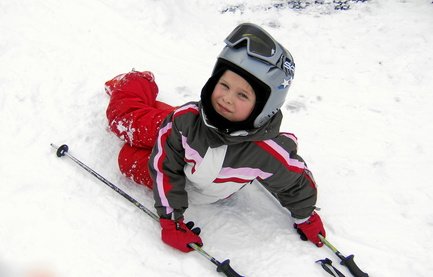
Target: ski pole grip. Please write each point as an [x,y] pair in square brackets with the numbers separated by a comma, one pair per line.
[225,268]
[353,268]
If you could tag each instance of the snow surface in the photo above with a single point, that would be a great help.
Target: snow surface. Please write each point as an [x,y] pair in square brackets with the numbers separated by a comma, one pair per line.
[361,106]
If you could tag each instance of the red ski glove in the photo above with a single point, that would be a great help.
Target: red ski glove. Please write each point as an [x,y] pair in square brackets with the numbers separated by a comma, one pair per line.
[310,229]
[178,234]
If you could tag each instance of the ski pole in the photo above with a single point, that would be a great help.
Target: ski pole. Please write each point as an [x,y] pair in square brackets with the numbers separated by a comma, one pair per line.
[346,261]
[223,267]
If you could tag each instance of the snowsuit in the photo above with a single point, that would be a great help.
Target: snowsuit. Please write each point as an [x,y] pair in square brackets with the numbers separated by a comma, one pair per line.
[193,161]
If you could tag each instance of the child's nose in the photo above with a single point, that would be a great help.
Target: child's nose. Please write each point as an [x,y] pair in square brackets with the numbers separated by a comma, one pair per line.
[228,98]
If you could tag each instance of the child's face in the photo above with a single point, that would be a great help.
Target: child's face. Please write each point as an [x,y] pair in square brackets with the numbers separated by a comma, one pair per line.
[233,97]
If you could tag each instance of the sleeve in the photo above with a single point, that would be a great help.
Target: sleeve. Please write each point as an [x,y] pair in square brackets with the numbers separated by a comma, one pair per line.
[131,113]
[292,183]
[166,169]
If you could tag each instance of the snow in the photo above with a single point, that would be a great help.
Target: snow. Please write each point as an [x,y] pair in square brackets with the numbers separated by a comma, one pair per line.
[360,106]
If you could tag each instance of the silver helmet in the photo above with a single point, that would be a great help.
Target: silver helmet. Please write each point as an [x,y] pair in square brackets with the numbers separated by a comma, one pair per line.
[252,49]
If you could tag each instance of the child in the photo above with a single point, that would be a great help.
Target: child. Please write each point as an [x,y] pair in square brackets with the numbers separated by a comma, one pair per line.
[207,150]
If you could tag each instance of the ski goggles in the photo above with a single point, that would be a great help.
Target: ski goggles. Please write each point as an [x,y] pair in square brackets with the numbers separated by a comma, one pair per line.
[260,45]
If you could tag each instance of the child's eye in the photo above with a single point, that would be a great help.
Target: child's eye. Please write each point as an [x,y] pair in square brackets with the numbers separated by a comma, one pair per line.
[243,95]
[224,85]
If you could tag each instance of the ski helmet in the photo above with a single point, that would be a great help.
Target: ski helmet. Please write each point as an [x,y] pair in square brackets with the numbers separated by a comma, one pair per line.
[252,49]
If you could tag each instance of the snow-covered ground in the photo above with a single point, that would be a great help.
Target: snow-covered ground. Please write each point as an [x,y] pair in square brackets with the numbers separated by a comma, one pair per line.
[361,106]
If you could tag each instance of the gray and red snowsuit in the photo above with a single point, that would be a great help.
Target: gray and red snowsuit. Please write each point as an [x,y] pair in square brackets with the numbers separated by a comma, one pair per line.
[193,161]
